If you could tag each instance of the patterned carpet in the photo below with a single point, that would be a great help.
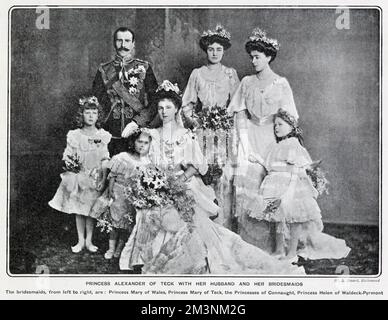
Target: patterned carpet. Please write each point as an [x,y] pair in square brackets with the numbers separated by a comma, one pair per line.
[48,244]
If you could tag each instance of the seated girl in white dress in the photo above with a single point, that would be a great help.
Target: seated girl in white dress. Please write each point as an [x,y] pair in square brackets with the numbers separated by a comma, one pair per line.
[288,198]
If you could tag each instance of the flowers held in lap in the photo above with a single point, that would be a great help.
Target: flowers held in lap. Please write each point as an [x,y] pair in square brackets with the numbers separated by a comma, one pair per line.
[152,187]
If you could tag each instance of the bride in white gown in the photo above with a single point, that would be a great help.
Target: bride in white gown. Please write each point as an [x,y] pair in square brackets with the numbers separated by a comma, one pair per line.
[161,242]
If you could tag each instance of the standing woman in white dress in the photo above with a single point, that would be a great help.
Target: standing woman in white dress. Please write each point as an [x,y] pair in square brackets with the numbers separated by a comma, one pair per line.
[256,101]
[213,85]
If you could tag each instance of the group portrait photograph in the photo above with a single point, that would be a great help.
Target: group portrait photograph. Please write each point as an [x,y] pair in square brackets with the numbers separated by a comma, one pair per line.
[178,140]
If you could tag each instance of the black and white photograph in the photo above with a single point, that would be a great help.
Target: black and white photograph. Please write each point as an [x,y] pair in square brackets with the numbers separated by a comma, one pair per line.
[177,140]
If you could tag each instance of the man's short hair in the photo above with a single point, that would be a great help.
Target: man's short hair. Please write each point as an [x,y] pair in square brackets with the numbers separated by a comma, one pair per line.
[123,29]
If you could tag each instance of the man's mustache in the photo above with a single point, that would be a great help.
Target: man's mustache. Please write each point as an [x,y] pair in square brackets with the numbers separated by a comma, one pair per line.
[123,49]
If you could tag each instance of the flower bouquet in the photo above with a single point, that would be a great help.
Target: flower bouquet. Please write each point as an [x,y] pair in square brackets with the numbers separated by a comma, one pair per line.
[318,178]
[152,187]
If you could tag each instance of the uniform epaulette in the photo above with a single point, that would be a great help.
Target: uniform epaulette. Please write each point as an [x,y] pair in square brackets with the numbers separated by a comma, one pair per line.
[104,65]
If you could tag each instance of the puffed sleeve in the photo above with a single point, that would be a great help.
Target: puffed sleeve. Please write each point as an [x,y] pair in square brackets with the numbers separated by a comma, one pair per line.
[191,95]
[72,144]
[193,154]
[237,103]
[287,99]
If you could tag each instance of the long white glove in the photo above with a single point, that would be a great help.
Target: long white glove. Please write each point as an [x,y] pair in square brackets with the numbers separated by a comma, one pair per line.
[129,129]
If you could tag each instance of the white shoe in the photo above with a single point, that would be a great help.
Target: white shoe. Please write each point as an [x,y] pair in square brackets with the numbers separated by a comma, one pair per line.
[111,251]
[92,248]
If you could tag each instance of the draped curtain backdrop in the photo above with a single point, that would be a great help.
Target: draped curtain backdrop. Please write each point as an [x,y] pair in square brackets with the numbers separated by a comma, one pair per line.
[334,75]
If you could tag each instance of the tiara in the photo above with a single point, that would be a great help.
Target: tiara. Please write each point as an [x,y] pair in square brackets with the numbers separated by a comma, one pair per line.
[260,35]
[219,31]
[91,100]
[168,86]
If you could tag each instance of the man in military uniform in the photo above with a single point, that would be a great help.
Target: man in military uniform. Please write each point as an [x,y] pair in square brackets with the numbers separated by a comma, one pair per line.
[124,87]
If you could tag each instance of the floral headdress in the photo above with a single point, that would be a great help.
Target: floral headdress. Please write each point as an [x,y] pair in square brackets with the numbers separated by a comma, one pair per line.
[219,31]
[89,100]
[261,36]
[168,86]
[293,122]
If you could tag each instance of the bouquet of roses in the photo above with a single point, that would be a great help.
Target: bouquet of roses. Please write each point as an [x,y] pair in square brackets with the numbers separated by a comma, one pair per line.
[152,187]
[215,118]
[72,164]
[318,177]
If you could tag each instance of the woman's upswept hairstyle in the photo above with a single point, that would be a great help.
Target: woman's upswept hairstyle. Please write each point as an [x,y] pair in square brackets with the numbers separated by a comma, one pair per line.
[261,47]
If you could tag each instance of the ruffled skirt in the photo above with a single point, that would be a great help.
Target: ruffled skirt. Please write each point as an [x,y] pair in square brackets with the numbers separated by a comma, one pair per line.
[301,208]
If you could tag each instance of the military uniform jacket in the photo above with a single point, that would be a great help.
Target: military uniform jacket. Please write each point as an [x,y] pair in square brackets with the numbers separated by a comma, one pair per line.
[124,91]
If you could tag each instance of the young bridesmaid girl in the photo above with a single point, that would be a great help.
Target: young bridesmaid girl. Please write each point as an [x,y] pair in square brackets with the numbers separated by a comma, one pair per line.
[121,212]
[86,156]
[288,198]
